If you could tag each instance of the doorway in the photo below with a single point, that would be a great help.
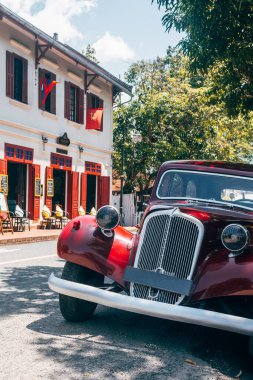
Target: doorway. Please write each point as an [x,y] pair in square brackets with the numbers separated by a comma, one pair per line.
[17,183]
[91,192]
[59,188]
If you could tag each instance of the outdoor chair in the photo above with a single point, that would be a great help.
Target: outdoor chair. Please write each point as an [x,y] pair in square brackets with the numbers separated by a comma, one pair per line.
[81,211]
[21,219]
[5,222]
[48,221]
[61,216]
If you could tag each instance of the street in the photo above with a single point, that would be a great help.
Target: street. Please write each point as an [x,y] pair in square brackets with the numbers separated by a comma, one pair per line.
[37,343]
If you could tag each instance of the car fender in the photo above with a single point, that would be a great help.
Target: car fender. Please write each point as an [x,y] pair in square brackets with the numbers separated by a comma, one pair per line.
[221,275]
[82,242]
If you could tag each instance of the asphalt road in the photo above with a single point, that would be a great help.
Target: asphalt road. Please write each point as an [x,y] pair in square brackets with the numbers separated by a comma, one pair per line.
[36,342]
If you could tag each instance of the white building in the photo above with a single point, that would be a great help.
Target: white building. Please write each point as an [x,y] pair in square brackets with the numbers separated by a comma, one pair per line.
[59,152]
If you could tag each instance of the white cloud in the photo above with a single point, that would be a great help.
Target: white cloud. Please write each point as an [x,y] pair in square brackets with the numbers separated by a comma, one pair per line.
[112,48]
[52,15]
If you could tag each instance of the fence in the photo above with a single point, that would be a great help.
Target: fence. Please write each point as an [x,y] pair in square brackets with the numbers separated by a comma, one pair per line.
[129,211]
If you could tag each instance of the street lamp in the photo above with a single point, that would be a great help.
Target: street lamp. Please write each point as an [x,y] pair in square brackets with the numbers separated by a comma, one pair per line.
[44,141]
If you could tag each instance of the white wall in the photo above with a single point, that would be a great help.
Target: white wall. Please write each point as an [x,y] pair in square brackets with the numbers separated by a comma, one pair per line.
[24,125]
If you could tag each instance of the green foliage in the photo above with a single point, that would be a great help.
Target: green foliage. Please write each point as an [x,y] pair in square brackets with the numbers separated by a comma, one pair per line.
[172,117]
[90,53]
[218,33]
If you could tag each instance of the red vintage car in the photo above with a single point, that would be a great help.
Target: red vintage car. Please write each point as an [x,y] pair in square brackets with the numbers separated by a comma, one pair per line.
[190,261]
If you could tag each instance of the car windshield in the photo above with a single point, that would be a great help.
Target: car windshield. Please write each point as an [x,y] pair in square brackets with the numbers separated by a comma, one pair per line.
[203,186]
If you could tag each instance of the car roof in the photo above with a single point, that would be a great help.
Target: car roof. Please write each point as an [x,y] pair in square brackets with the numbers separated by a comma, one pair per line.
[226,167]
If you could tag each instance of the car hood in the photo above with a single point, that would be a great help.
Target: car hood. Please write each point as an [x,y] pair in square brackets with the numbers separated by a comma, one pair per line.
[205,212]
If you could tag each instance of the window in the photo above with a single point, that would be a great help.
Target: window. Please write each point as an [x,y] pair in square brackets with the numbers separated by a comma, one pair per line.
[92,168]
[18,153]
[61,162]
[45,78]
[74,103]
[16,77]
[207,187]
[95,108]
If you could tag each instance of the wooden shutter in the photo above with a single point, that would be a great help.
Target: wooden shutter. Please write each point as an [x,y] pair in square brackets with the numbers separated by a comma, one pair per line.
[3,166]
[53,96]
[33,201]
[83,190]
[49,175]
[81,106]
[73,188]
[88,100]
[36,214]
[41,77]
[103,196]
[88,105]
[9,74]
[24,81]
[67,100]
[101,105]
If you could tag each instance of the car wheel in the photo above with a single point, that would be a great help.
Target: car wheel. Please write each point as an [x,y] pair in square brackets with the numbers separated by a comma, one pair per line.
[74,309]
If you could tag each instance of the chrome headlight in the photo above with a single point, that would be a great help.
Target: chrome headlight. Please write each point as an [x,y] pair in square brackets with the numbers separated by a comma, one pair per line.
[235,237]
[108,217]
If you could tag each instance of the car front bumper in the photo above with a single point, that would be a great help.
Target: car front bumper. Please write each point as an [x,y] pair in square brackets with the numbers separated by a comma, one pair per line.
[152,308]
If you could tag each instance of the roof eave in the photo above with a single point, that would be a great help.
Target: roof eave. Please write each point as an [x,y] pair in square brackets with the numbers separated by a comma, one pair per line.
[76,56]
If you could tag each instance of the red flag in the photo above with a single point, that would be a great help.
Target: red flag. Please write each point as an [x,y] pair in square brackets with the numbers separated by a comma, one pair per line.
[46,88]
[94,118]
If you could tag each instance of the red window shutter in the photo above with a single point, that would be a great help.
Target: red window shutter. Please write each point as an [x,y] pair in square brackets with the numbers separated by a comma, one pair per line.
[41,77]
[103,191]
[36,214]
[49,175]
[73,191]
[9,74]
[83,190]
[81,106]
[25,83]
[67,100]
[101,105]
[33,201]
[88,100]
[53,96]
[3,166]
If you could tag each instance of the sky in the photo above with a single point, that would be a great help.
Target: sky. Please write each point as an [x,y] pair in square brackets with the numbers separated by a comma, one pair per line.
[121,31]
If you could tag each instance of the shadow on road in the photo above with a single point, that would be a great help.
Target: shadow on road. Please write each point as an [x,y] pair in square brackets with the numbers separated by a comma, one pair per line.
[115,342]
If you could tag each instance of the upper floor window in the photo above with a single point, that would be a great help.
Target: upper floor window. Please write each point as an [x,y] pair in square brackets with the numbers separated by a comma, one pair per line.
[74,103]
[16,77]
[95,108]
[45,79]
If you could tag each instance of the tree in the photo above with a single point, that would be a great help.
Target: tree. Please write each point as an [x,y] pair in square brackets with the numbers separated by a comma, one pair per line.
[174,118]
[90,53]
[218,33]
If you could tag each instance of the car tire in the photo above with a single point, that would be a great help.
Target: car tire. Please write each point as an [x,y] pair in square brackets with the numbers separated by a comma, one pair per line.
[74,309]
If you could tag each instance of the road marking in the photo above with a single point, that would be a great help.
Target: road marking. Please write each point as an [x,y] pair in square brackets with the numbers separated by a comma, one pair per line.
[30,259]
[9,250]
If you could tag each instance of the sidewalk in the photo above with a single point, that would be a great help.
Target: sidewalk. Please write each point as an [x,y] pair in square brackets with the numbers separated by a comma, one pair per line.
[36,235]
[29,236]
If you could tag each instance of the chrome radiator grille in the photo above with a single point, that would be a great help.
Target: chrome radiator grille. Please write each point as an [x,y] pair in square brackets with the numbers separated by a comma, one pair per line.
[170,243]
